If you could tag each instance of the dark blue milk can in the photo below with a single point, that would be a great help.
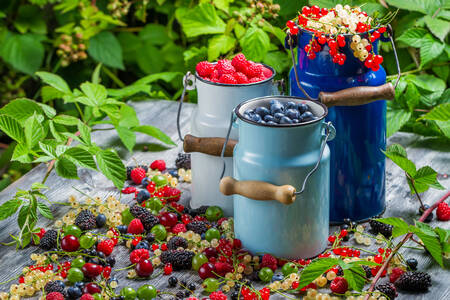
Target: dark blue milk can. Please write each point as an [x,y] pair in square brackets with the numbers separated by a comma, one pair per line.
[357,179]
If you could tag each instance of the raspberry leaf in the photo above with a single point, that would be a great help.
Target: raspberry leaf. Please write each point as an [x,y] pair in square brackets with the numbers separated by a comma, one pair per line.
[9,208]
[112,167]
[154,132]
[66,168]
[105,48]
[315,269]
[430,240]
[44,210]
[54,81]
[200,20]
[355,277]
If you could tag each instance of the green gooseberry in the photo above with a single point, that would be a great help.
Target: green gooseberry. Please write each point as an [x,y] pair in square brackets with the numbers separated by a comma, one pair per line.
[97,296]
[128,293]
[75,275]
[212,233]
[213,213]
[87,241]
[159,231]
[127,217]
[159,180]
[210,285]
[198,260]
[289,268]
[265,274]
[72,230]
[77,263]
[154,204]
[146,292]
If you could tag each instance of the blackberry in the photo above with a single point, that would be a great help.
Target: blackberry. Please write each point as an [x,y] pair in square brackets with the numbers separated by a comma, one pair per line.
[388,290]
[144,167]
[176,242]
[183,161]
[49,239]
[378,227]
[54,286]
[137,210]
[86,220]
[146,217]
[414,281]
[368,271]
[197,227]
[150,238]
[180,259]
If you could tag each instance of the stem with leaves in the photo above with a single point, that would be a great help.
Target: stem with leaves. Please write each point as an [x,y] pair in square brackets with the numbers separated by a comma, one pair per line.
[402,242]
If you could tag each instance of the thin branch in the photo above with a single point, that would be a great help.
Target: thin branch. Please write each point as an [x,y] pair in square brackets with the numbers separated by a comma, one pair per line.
[411,180]
[399,245]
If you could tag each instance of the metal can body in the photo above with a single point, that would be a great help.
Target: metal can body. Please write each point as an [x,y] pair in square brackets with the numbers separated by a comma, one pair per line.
[211,119]
[357,189]
[283,156]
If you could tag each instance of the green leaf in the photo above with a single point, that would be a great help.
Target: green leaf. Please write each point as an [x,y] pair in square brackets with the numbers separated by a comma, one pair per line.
[96,93]
[154,132]
[413,37]
[85,133]
[9,208]
[127,136]
[424,178]
[24,52]
[49,93]
[49,111]
[429,82]
[444,126]
[355,277]
[220,44]
[400,159]
[129,91]
[423,6]
[66,168]
[397,149]
[431,241]
[22,154]
[38,186]
[95,78]
[112,167]
[24,213]
[430,49]
[149,59]
[200,20]
[223,4]
[277,60]
[34,132]
[412,96]
[164,76]
[105,48]
[12,128]
[21,109]
[396,118]
[30,17]
[54,81]
[81,157]
[45,210]
[66,120]
[438,113]
[255,44]
[397,222]
[442,72]
[438,27]
[315,269]
[155,34]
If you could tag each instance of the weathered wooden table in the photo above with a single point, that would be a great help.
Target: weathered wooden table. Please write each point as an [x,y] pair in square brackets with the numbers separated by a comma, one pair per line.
[400,202]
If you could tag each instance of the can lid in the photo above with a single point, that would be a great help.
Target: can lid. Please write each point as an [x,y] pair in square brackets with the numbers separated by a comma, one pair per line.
[319,110]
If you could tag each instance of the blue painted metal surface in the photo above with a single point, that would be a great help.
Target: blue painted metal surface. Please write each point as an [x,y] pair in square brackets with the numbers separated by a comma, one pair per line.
[281,156]
[357,189]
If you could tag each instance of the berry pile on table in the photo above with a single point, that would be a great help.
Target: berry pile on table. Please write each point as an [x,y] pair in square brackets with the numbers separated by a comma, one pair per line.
[165,238]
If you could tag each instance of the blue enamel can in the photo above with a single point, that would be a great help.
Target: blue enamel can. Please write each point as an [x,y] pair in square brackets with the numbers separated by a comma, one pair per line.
[357,187]
[266,157]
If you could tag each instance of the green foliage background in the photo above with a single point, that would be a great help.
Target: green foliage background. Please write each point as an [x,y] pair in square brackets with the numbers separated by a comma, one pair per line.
[165,38]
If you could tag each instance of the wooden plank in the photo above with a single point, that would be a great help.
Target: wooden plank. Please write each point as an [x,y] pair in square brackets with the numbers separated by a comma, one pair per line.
[163,115]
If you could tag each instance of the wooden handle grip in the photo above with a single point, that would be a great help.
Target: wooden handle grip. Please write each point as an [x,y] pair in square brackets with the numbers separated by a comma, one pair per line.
[211,146]
[358,95]
[258,190]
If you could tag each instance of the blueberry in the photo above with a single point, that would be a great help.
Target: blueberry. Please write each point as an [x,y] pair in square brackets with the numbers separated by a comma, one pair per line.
[110,280]
[272,102]
[100,220]
[150,237]
[302,107]
[172,281]
[191,286]
[285,120]
[290,105]
[79,284]
[292,113]
[249,111]
[142,196]
[429,217]
[256,118]
[412,263]
[122,228]
[262,111]
[295,121]
[142,245]
[307,116]
[278,116]
[111,261]
[276,108]
[234,295]
[173,172]
[101,255]
[247,116]
[268,118]
[74,292]
[271,123]
[277,277]
[145,182]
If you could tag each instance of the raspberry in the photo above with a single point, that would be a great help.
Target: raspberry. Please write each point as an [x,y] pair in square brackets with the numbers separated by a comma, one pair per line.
[204,69]
[443,212]
[139,254]
[214,77]
[267,72]
[158,164]
[241,78]
[137,174]
[106,246]
[339,285]
[269,261]
[87,297]
[254,70]
[239,62]
[135,227]
[228,79]
[396,273]
[217,296]
[224,67]
[172,194]
[179,228]
[255,79]
[56,296]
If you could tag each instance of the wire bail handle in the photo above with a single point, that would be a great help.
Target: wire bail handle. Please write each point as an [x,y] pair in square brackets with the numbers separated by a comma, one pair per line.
[188,85]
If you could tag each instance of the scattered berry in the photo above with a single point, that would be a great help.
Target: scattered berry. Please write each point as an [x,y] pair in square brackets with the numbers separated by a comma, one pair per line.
[414,282]
[137,174]
[443,212]
[339,285]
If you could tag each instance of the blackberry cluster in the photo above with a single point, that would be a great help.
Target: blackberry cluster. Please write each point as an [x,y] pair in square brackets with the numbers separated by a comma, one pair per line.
[54,286]
[177,242]
[146,217]
[368,271]
[388,290]
[378,227]
[86,220]
[180,259]
[197,226]
[183,161]
[198,211]
[49,240]
[414,281]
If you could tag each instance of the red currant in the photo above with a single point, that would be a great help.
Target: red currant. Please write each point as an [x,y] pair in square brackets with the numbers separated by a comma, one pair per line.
[324,11]
[382,29]
[164,247]
[290,24]
[307,48]
[155,246]
[315,9]
[343,232]
[332,44]
[306,10]
[375,67]
[311,55]
[378,59]
[376,34]
[378,259]
[322,39]
[293,30]
[368,63]
[168,269]
[331,239]
[341,40]
[332,51]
